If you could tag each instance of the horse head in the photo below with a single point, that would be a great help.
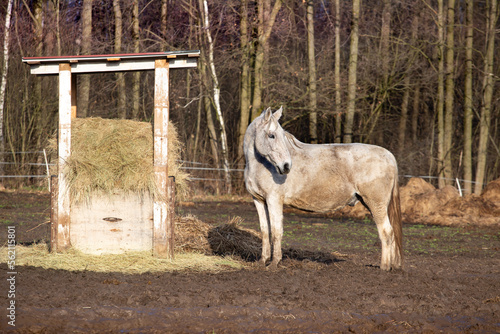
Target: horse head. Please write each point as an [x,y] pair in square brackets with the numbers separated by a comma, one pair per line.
[270,141]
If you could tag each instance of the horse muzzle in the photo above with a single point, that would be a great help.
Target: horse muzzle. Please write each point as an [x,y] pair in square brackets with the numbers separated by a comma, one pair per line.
[285,168]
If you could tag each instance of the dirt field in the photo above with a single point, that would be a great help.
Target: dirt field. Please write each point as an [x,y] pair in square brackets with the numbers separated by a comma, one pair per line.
[450,282]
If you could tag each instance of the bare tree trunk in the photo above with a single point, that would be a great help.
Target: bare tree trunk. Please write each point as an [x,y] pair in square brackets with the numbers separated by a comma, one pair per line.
[404,114]
[163,23]
[468,95]
[440,96]
[406,95]
[415,113]
[311,54]
[382,82]
[3,82]
[450,90]
[58,26]
[216,92]
[136,82]
[488,84]
[212,134]
[244,79]
[264,31]
[338,111]
[120,76]
[86,44]
[353,67]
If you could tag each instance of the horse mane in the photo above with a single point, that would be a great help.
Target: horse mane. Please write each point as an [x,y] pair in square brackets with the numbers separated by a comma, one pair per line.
[292,140]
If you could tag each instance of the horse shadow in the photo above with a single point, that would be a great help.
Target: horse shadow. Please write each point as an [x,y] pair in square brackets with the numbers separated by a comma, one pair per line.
[230,240]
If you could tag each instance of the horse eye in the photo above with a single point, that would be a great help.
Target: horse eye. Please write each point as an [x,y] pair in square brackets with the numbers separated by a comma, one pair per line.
[271,135]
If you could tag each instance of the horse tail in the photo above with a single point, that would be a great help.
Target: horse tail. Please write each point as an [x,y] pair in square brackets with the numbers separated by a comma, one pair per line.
[394,212]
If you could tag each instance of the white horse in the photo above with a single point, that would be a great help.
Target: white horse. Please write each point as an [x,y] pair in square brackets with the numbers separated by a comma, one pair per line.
[282,170]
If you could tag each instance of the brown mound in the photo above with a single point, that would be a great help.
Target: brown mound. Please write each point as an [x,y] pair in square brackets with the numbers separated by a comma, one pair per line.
[470,205]
[492,192]
[420,198]
[416,186]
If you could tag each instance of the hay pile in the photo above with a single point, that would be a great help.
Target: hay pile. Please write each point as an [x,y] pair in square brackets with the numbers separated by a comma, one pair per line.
[492,192]
[228,239]
[191,235]
[109,155]
[232,239]
[420,198]
[422,203]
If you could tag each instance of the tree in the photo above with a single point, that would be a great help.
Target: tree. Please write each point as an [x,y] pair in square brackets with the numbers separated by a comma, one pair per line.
[216,92]
[3,80]
[245,78]
[486,106]
[353,67]
[136,76]
[468,97]
[440,95]
[120,76]
[338,111]
[264,28]
[450,92]
[86,44]
[313,101]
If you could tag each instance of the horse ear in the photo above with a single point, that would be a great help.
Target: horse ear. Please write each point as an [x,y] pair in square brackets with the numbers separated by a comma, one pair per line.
[278,113]
[267,114]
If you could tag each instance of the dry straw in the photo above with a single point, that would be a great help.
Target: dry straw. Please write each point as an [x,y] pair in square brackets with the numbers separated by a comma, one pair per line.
[38,255]
[109,156]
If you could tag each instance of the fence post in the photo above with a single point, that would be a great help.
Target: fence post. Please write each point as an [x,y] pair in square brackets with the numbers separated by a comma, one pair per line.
[53,213]
[171,216]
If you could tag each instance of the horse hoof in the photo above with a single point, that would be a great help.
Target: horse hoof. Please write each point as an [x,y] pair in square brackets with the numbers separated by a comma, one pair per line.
[272,267]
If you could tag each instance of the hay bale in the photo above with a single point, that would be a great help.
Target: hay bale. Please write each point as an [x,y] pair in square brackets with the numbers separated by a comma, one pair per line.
[110,155]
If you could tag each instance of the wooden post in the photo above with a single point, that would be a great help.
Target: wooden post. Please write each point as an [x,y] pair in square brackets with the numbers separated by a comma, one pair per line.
[161,246]
[171,216]
[74,94]
[53,213]
[64,149]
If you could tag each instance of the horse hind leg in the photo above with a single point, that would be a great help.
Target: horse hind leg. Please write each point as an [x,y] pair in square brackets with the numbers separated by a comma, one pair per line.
[264,228]
[386,235]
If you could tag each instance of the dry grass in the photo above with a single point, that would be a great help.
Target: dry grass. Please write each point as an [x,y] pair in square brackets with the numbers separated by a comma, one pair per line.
[129,263]
[109,155]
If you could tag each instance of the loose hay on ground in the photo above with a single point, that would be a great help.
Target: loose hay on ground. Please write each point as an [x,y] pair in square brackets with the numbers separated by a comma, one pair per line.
[191,235]
[130,263]
[232,239]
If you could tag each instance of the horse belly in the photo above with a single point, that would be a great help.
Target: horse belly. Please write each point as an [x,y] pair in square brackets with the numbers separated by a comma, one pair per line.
[320,198]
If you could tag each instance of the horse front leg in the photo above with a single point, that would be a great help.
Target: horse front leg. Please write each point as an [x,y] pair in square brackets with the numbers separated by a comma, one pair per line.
[264,228]
[275,211]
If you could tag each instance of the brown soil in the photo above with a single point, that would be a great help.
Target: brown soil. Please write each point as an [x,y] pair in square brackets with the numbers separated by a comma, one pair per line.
[329,282]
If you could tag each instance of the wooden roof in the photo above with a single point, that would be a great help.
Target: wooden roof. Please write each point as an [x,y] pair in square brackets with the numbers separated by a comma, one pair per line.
[112,62]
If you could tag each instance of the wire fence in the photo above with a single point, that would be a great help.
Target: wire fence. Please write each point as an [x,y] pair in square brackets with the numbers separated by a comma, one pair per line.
[195,166]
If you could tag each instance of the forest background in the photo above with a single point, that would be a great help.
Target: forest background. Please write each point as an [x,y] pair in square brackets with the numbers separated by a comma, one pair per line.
[419,77]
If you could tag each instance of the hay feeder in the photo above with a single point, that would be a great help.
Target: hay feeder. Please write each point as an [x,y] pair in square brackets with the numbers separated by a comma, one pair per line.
[66,68]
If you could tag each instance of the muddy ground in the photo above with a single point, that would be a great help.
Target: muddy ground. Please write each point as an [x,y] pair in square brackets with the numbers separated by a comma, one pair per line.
[450,282]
